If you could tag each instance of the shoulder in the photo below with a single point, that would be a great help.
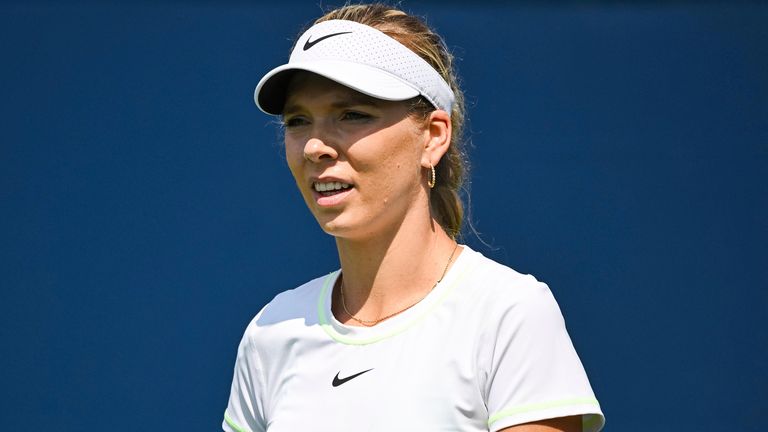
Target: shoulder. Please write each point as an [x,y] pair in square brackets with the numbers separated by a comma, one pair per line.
[296,307]
[503,298]
[502,287]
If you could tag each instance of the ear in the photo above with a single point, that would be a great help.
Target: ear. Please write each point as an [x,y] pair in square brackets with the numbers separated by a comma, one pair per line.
[438,138]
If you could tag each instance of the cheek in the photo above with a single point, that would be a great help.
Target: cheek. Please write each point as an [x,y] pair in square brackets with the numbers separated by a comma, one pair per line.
[294,156]
[399,164]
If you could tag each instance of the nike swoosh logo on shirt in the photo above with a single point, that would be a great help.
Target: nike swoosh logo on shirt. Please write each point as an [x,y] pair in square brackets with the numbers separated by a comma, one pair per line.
[339,381]
[308,44]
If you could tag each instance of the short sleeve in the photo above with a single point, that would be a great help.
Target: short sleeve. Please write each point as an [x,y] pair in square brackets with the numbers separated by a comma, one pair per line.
[245,410]
[532,369]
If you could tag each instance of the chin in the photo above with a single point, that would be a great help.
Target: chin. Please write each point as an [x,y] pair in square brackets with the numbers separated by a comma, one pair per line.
[330,224]
[338,227]
[335,229]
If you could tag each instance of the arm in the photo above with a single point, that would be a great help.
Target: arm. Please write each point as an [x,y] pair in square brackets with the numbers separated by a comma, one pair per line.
[533,371]
[562,424]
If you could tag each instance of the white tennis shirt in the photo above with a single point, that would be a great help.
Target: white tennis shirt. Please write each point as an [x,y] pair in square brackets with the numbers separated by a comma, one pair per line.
[486,349]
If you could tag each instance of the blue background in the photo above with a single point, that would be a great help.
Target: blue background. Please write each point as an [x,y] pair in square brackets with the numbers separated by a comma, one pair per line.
[620,154]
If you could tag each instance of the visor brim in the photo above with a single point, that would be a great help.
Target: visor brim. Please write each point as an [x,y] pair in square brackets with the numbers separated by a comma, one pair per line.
[270,93]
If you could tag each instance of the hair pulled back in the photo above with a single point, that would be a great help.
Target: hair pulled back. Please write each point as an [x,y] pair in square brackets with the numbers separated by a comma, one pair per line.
[413,33]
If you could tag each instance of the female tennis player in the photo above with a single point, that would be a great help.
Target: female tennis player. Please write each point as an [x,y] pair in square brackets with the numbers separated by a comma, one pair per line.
[415,332]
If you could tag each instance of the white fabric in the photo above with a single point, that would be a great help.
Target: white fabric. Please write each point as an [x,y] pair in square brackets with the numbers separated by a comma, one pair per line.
[485,350]
[359,57]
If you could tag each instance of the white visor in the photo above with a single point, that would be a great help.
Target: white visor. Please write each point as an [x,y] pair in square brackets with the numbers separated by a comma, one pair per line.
[361,58]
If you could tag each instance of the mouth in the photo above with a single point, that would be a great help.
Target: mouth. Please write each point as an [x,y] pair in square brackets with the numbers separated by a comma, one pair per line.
[330,194]
[327,189]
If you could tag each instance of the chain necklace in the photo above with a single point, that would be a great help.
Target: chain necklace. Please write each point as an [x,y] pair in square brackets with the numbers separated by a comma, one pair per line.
[371,323]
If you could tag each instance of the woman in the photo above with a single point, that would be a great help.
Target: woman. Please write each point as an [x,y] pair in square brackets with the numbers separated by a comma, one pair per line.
[415,332]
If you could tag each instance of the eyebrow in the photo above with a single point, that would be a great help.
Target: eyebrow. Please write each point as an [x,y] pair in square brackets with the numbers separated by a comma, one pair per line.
[356,99]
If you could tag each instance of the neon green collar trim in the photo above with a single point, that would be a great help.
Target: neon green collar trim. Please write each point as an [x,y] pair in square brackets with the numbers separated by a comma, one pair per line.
[325,324]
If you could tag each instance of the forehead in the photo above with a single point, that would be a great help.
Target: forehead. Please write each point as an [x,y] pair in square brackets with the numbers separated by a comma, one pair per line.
[305,87]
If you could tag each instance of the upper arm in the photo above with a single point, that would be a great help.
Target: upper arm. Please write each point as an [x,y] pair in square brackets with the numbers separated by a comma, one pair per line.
[245,409]
[562,424]
[535,378]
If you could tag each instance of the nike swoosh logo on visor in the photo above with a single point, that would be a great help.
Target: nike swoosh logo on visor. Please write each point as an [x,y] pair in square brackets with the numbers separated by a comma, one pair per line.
[339,381]
[308,44]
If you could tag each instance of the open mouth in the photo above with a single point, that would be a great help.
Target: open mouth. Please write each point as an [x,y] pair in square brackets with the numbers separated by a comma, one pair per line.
[330,188]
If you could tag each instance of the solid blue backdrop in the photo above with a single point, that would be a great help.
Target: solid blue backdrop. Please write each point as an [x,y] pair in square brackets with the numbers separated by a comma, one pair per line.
[620,154]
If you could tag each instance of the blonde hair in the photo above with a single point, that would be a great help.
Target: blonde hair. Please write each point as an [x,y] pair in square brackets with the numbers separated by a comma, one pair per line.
[412,32]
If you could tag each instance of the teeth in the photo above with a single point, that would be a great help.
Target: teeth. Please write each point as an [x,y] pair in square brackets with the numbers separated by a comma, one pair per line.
[329,186]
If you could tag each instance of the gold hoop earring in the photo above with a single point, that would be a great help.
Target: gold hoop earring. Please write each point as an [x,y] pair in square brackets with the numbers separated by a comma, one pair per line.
[433,179]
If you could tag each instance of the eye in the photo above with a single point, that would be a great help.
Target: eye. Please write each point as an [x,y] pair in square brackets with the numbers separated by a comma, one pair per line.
[295,121]
[355,115]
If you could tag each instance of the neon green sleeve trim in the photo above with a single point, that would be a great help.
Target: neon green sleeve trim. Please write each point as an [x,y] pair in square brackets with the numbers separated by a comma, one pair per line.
[541,406]
[232,424]
[592,421]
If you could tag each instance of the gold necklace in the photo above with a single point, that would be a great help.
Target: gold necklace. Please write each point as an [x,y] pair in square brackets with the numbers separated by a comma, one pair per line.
[371,323]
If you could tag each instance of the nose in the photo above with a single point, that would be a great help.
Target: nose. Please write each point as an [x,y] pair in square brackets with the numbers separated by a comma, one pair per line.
[316,150]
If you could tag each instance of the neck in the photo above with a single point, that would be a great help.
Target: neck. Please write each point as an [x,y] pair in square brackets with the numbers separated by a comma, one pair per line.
[392,270]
